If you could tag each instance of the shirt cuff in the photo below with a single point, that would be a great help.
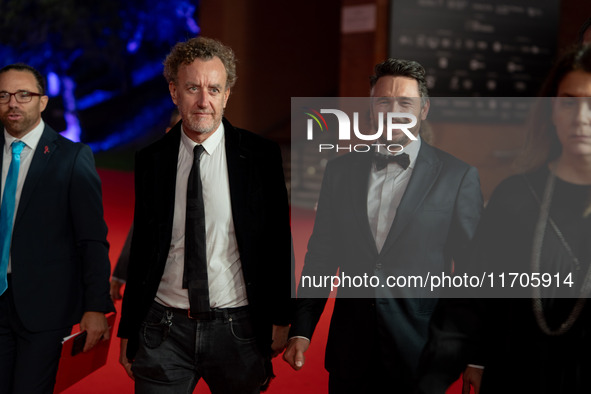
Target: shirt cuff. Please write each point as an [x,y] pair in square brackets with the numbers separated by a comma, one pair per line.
[298,336]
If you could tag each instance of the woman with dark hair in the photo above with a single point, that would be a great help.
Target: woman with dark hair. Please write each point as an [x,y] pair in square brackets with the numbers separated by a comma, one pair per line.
[535,222]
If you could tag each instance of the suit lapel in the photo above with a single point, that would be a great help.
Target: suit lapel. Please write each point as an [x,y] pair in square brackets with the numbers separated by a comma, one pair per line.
[238,159]
[166,161]
[360,184]
[425,173]
[45,150]
[1,148]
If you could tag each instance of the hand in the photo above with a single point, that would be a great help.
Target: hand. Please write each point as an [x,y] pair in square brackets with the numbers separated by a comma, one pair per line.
[96,327]
[123,360]
[294,354]
[280,334]
[472,377]
[116,285]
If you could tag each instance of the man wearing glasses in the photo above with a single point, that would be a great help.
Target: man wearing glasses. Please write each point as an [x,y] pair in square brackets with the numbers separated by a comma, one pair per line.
[54,265]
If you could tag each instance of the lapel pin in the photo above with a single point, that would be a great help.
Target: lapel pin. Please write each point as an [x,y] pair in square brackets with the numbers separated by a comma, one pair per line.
[46,150]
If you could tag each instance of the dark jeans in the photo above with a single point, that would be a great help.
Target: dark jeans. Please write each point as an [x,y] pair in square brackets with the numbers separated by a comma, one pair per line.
[28,360]
[175,352]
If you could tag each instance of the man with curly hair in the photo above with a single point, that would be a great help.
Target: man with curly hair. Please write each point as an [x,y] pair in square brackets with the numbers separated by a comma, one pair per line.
[208,287]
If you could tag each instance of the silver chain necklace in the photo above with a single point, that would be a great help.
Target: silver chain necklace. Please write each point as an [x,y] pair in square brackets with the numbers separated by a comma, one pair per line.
[538,241]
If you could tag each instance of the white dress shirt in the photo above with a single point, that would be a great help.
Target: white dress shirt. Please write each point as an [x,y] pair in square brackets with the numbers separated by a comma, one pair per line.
[226,283]
[385,190]
[31,140]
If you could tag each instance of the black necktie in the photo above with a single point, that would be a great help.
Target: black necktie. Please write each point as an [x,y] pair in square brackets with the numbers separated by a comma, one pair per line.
[381,161]
[195,273]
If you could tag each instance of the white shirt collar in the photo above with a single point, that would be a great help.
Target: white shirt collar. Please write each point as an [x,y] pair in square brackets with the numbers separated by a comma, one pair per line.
[210,144]
[31,139]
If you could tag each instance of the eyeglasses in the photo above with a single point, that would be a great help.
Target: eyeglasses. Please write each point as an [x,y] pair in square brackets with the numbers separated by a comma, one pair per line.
[21,96]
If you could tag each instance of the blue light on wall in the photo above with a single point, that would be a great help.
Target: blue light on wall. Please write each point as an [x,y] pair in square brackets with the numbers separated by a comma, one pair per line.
[53,84]
[136,126]
[94,98]
[146,72]
[135,43]
[187,11]
[104,72]
[72,131]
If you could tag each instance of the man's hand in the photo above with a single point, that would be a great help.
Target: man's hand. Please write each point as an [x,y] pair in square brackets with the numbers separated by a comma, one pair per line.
[280,334]
[294,354]
[472,377]
[96,327]
[116,285]
[123,360]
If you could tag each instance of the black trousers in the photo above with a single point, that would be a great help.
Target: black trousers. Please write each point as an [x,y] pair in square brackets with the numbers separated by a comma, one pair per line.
[28,360]
[383,372]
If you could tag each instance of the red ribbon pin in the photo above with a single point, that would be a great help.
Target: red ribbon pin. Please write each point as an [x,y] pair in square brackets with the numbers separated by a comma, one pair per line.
[46,150]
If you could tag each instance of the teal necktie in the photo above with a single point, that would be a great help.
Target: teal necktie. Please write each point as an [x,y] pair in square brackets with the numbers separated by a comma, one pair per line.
[7,212]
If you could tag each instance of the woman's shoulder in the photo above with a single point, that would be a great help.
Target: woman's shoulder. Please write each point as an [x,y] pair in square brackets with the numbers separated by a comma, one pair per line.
[519,189]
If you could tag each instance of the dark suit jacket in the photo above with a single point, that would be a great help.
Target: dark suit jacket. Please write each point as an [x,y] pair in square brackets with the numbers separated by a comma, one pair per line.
[59,250]
[433,225]
[120,270]
[261,219]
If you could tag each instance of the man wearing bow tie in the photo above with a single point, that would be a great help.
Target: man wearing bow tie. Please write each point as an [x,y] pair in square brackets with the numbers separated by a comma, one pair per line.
[382,214]
[54,255]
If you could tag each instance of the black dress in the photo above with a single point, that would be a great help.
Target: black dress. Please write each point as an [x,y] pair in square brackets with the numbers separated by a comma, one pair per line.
[518,356]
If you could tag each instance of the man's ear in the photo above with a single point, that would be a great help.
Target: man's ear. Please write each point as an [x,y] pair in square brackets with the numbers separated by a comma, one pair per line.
[173,92]
[43,100]
[425,109]
[226,97]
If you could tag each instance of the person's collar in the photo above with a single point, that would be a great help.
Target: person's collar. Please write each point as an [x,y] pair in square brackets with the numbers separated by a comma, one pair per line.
[31,139]
[411,149]
[210,144]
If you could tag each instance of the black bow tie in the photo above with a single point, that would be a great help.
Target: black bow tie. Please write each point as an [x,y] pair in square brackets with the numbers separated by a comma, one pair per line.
[381,161]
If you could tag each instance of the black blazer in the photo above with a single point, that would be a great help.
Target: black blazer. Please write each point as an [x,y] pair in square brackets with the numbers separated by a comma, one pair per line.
[261,219]
[59,250]
[433,225]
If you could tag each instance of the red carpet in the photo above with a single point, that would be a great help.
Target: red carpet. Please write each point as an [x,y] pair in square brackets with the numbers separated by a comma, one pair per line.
[118,201]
